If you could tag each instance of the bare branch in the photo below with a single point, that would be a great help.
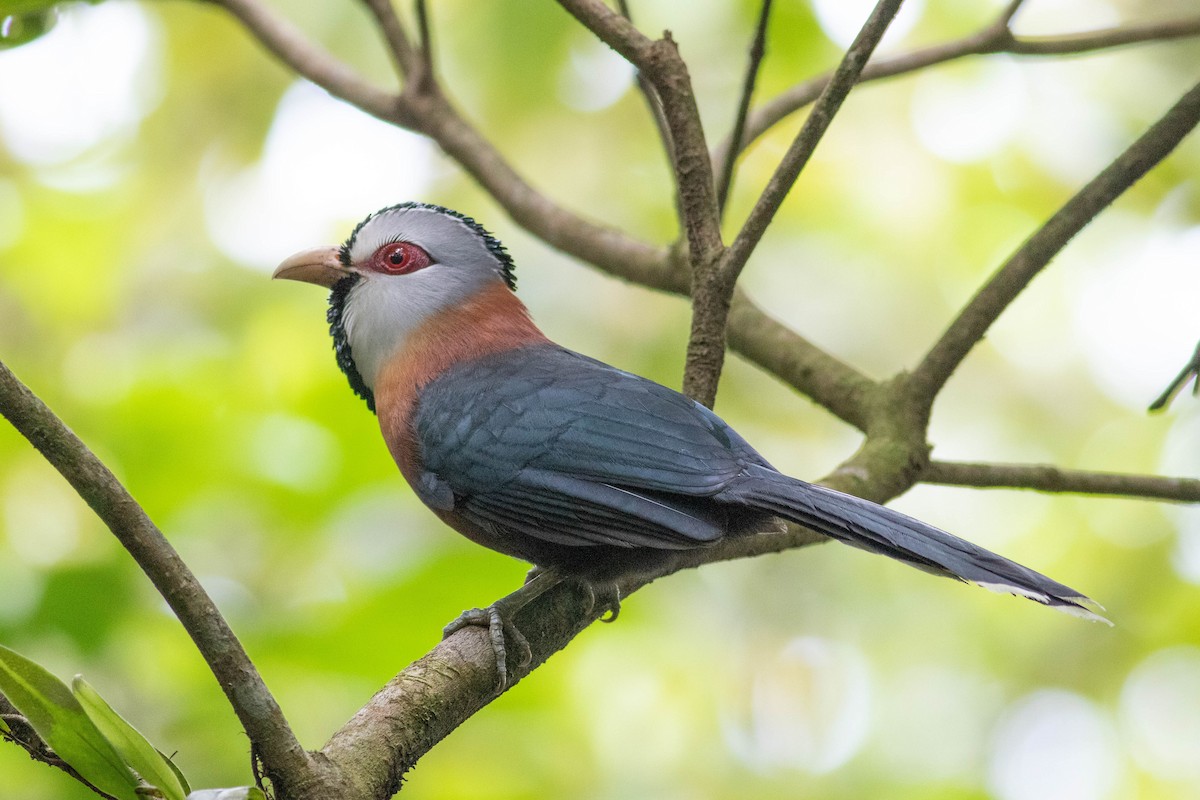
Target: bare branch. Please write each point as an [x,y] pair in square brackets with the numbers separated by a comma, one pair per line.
[833,384]
[248,695]
[1037,251]
[1046,478]
[996,38]
[393,31]
[1191,370]
[1010,11]
[661,64]
[290,46]
[835,92]
[712,289]
[757,51]
[426,40]
[1106,39]
[653,101]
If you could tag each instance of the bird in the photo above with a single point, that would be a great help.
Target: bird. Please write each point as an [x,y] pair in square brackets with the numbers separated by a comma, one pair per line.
[585,471]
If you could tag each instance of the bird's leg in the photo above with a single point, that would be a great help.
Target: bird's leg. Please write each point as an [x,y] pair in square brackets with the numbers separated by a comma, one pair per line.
[498,619]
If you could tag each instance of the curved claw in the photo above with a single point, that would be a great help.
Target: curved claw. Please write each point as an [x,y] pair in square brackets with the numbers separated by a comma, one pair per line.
[609,595]
[499,625]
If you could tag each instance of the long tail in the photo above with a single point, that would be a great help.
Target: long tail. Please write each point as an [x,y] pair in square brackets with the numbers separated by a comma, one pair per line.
[879,529]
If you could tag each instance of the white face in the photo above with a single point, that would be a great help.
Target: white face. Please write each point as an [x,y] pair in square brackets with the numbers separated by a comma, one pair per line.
[414,261]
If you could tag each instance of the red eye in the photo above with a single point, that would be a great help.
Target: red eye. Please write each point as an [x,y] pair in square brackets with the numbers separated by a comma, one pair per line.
[399,258]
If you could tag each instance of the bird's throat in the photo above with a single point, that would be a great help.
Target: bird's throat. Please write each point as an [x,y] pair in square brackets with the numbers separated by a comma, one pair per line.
[492,321]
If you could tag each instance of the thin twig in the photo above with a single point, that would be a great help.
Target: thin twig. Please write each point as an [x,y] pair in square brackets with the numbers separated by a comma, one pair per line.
[1191,370]
[757,52]
[650,95]
[1010,11]
[819,119]
[995,38]
[290,46]
[260,715]
[426,33]
[660,62]
[1037,251]
[393,31]
[712,291]
[1091,41]
[1046,478]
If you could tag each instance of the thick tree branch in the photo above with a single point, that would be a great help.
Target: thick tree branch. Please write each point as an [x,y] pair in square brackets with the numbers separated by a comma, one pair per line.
[1037,251]
[248,695]
[996,38]
[442,690]
[1046,478]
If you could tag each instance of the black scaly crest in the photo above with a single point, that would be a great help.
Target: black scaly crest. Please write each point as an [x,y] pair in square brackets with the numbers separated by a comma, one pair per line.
[341,289]
[341,345]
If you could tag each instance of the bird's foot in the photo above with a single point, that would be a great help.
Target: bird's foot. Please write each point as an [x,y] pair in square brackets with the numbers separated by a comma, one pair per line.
[498,620]
[499,626]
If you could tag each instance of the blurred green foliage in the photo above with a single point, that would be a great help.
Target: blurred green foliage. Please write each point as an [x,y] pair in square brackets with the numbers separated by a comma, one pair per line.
[130,308]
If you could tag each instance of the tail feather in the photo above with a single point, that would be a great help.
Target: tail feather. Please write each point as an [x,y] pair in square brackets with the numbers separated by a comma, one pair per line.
[882,530]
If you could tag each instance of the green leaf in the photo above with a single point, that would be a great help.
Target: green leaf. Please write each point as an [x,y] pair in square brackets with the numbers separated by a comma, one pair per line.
[22,7]
[240,793]
[61,721]
[19,29]
[187,789]
[133,747]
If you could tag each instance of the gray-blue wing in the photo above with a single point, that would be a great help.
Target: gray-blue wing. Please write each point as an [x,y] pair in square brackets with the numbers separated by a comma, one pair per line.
[561,447]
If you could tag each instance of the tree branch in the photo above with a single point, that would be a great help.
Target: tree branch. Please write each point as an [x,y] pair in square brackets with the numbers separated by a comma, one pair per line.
[757,51]
[713,286]
[248,695]
[290,46]
[442,690]
[836,386]
[427,111]
[797,156]
[1046,478]
[995,38]
[660,62]
[1191,370]
[653,101]
[404,57]
[1037,251]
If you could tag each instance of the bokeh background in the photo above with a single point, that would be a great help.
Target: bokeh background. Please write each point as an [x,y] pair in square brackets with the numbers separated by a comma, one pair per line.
[155,164]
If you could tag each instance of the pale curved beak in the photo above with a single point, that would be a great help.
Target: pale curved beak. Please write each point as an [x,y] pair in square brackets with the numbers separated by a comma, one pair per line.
[320,265]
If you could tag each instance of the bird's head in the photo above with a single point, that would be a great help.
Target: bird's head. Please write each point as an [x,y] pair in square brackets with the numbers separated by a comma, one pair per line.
[399,267]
